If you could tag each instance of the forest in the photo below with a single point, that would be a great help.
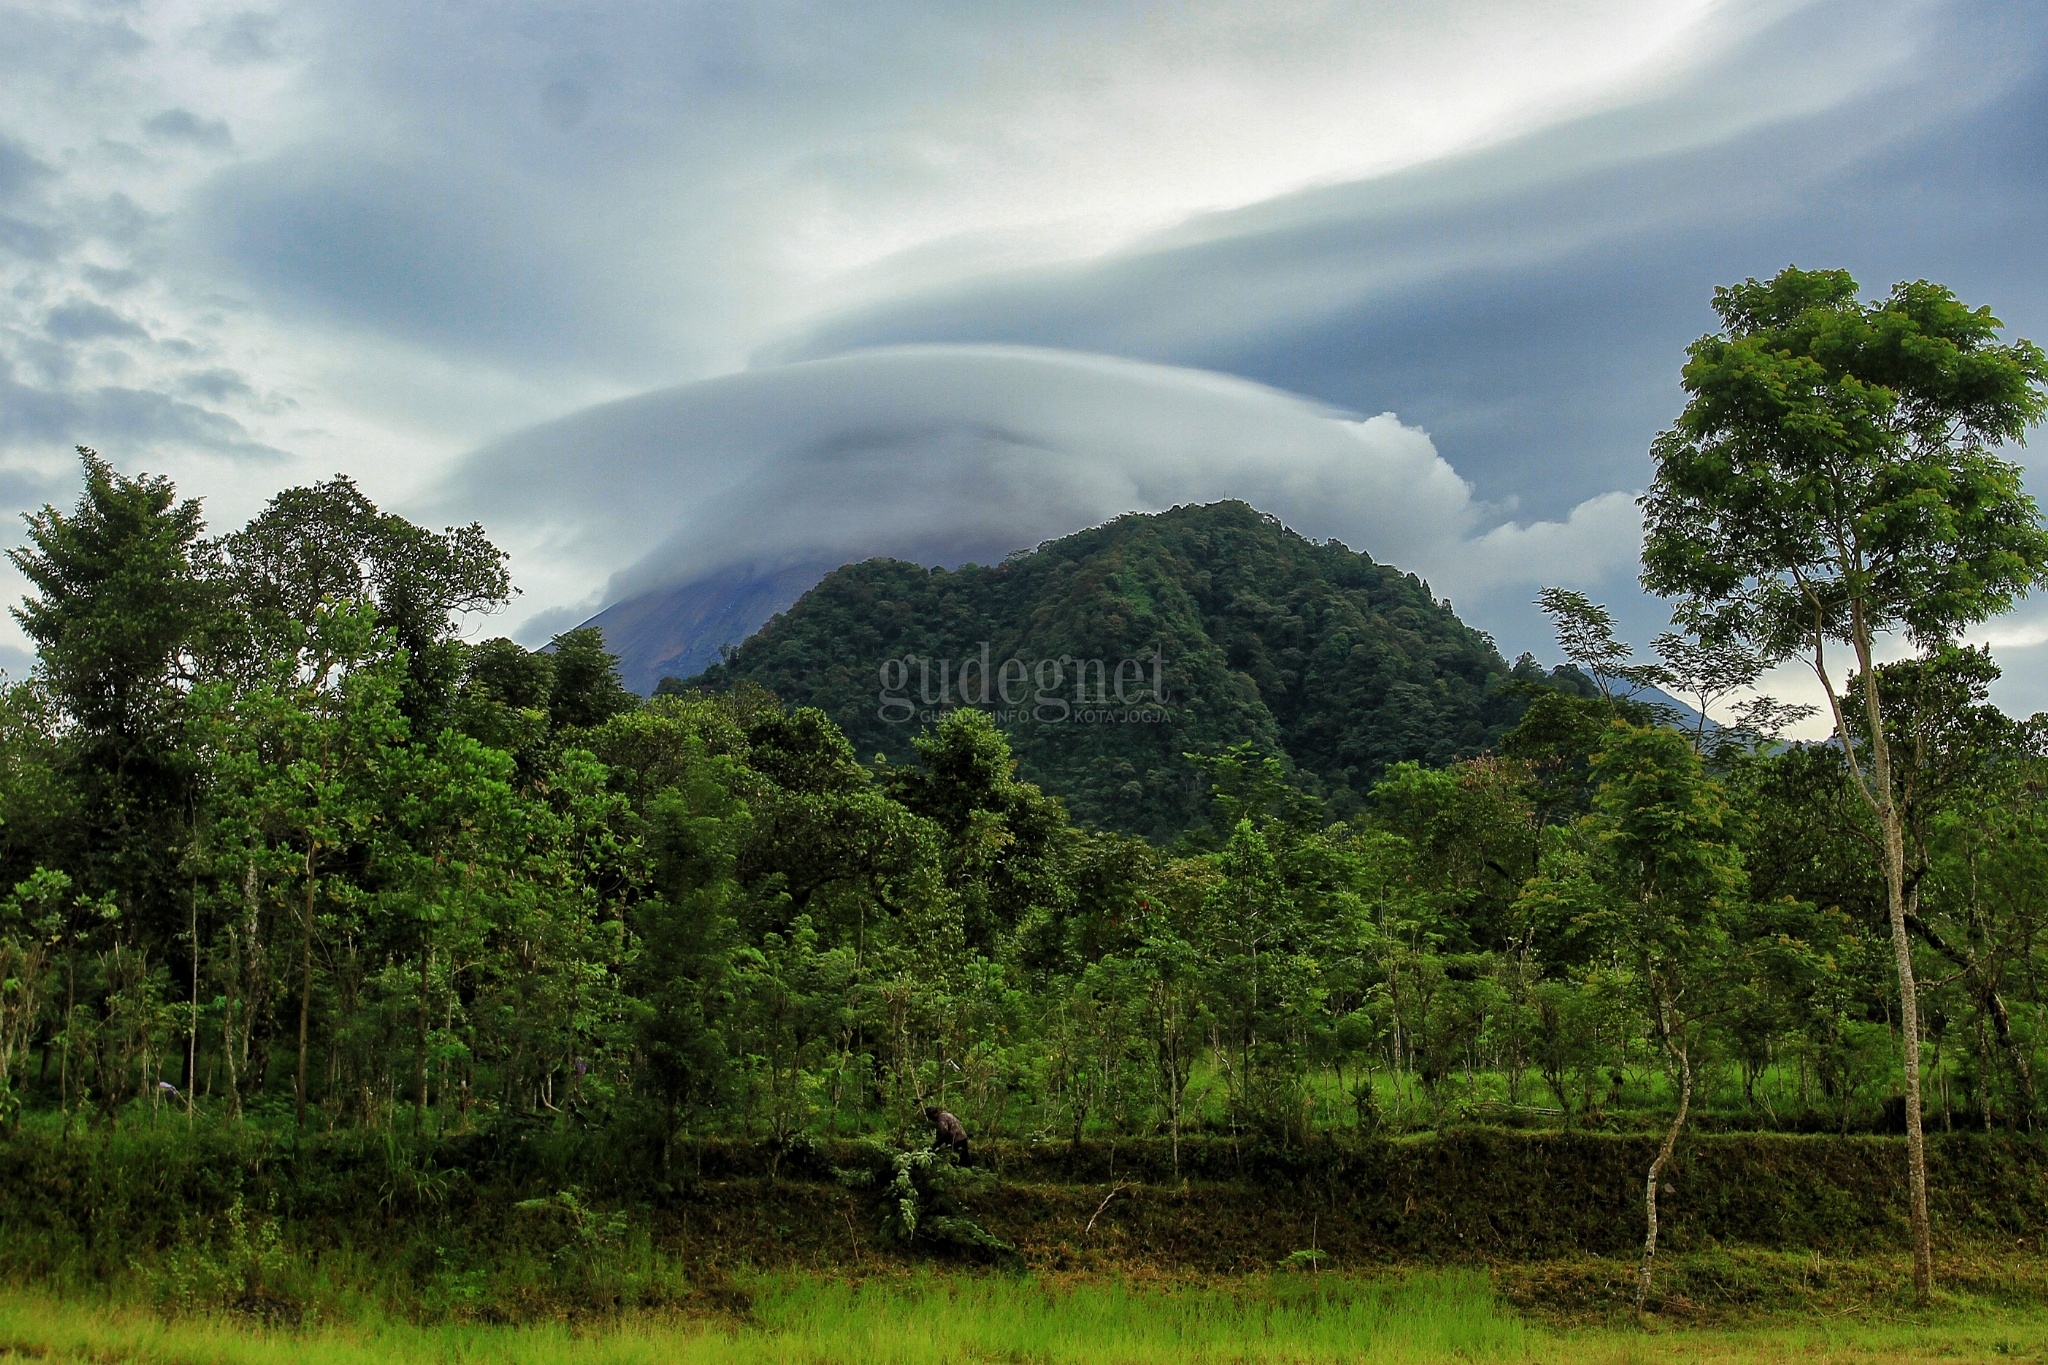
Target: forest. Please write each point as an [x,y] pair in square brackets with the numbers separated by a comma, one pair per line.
[285,848]
[1310,652]
[260,866]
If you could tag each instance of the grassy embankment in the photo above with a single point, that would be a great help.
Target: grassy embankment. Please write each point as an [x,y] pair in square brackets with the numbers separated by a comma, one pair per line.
[1414,1316]
[180,1245]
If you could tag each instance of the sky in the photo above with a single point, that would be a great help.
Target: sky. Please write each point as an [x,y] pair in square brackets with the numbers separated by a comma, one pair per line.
[657,289]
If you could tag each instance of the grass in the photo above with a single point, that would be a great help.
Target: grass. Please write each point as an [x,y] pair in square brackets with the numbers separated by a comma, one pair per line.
[912,1319]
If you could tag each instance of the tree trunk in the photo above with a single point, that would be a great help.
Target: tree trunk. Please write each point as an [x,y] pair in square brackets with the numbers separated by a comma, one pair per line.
[419,1055]
[70,1019]
[1657,1168]
[192,1022]
[1909,1021]
[306,984]
[1883,799]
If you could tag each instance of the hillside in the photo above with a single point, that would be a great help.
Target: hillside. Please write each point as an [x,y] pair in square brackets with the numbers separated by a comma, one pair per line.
[677,629]
[1312,651]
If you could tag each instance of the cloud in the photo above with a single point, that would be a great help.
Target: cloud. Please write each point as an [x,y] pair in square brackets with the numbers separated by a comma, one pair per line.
[216,385]
[239,38]
[83,320]
[182,125]
[653,191]
[20,169]
[1530,302]
[946,454]
[118,419]
[422,254]
[416,226]
[110,280]
[21,488]
[1595,545]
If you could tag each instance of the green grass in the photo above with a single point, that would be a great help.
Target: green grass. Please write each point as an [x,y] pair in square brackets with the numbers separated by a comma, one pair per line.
[908,1320]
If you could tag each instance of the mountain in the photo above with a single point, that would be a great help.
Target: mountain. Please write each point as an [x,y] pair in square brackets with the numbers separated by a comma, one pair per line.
[677,631]
[1109,655]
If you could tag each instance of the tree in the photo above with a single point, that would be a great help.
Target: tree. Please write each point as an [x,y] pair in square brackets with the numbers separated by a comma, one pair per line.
[329,543]
[298,760]
[119,604]
[1003,837]
[1834,477]
[118,610]
[1654,873]
[31,923]
[1704,673]
[585,689]
[1585,632]
[1953,787]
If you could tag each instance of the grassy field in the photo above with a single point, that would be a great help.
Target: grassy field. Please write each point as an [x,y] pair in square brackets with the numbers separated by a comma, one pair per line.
[1397,1317]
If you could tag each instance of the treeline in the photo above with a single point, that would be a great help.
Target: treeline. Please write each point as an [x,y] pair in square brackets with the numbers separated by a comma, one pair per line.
[283,847]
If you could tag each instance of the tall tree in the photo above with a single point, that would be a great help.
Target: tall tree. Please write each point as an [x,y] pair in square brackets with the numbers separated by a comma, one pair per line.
[118,609]
[1834,478]
[329,543]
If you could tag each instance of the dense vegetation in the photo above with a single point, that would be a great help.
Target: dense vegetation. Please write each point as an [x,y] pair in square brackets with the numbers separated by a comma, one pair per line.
[1310,652]
[285,851]
[307,868]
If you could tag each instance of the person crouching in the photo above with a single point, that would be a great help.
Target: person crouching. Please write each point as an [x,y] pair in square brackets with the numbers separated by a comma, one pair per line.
[948,1134]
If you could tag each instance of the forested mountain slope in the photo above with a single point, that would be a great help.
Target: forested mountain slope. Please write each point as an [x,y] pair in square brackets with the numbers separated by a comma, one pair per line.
[1252,633]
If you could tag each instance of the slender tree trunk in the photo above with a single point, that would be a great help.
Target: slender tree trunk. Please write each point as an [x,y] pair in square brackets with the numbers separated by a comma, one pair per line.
[231,1019]
[1664,1152]
[192,1022]
[1878,791]
[70,1018]
[306,984]
[419,1056]
[1909,1023]
[1892,827]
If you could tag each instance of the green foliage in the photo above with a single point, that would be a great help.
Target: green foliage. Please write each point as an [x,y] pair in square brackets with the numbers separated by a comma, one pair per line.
[1835,462]
[1311,653]
[469,917]
[119,606]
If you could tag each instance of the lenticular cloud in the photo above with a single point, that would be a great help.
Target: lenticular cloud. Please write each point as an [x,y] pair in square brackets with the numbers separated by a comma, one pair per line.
[944,454]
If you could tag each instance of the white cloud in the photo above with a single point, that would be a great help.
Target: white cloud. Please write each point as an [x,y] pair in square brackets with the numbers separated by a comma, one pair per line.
[943,454]
[1596,544]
